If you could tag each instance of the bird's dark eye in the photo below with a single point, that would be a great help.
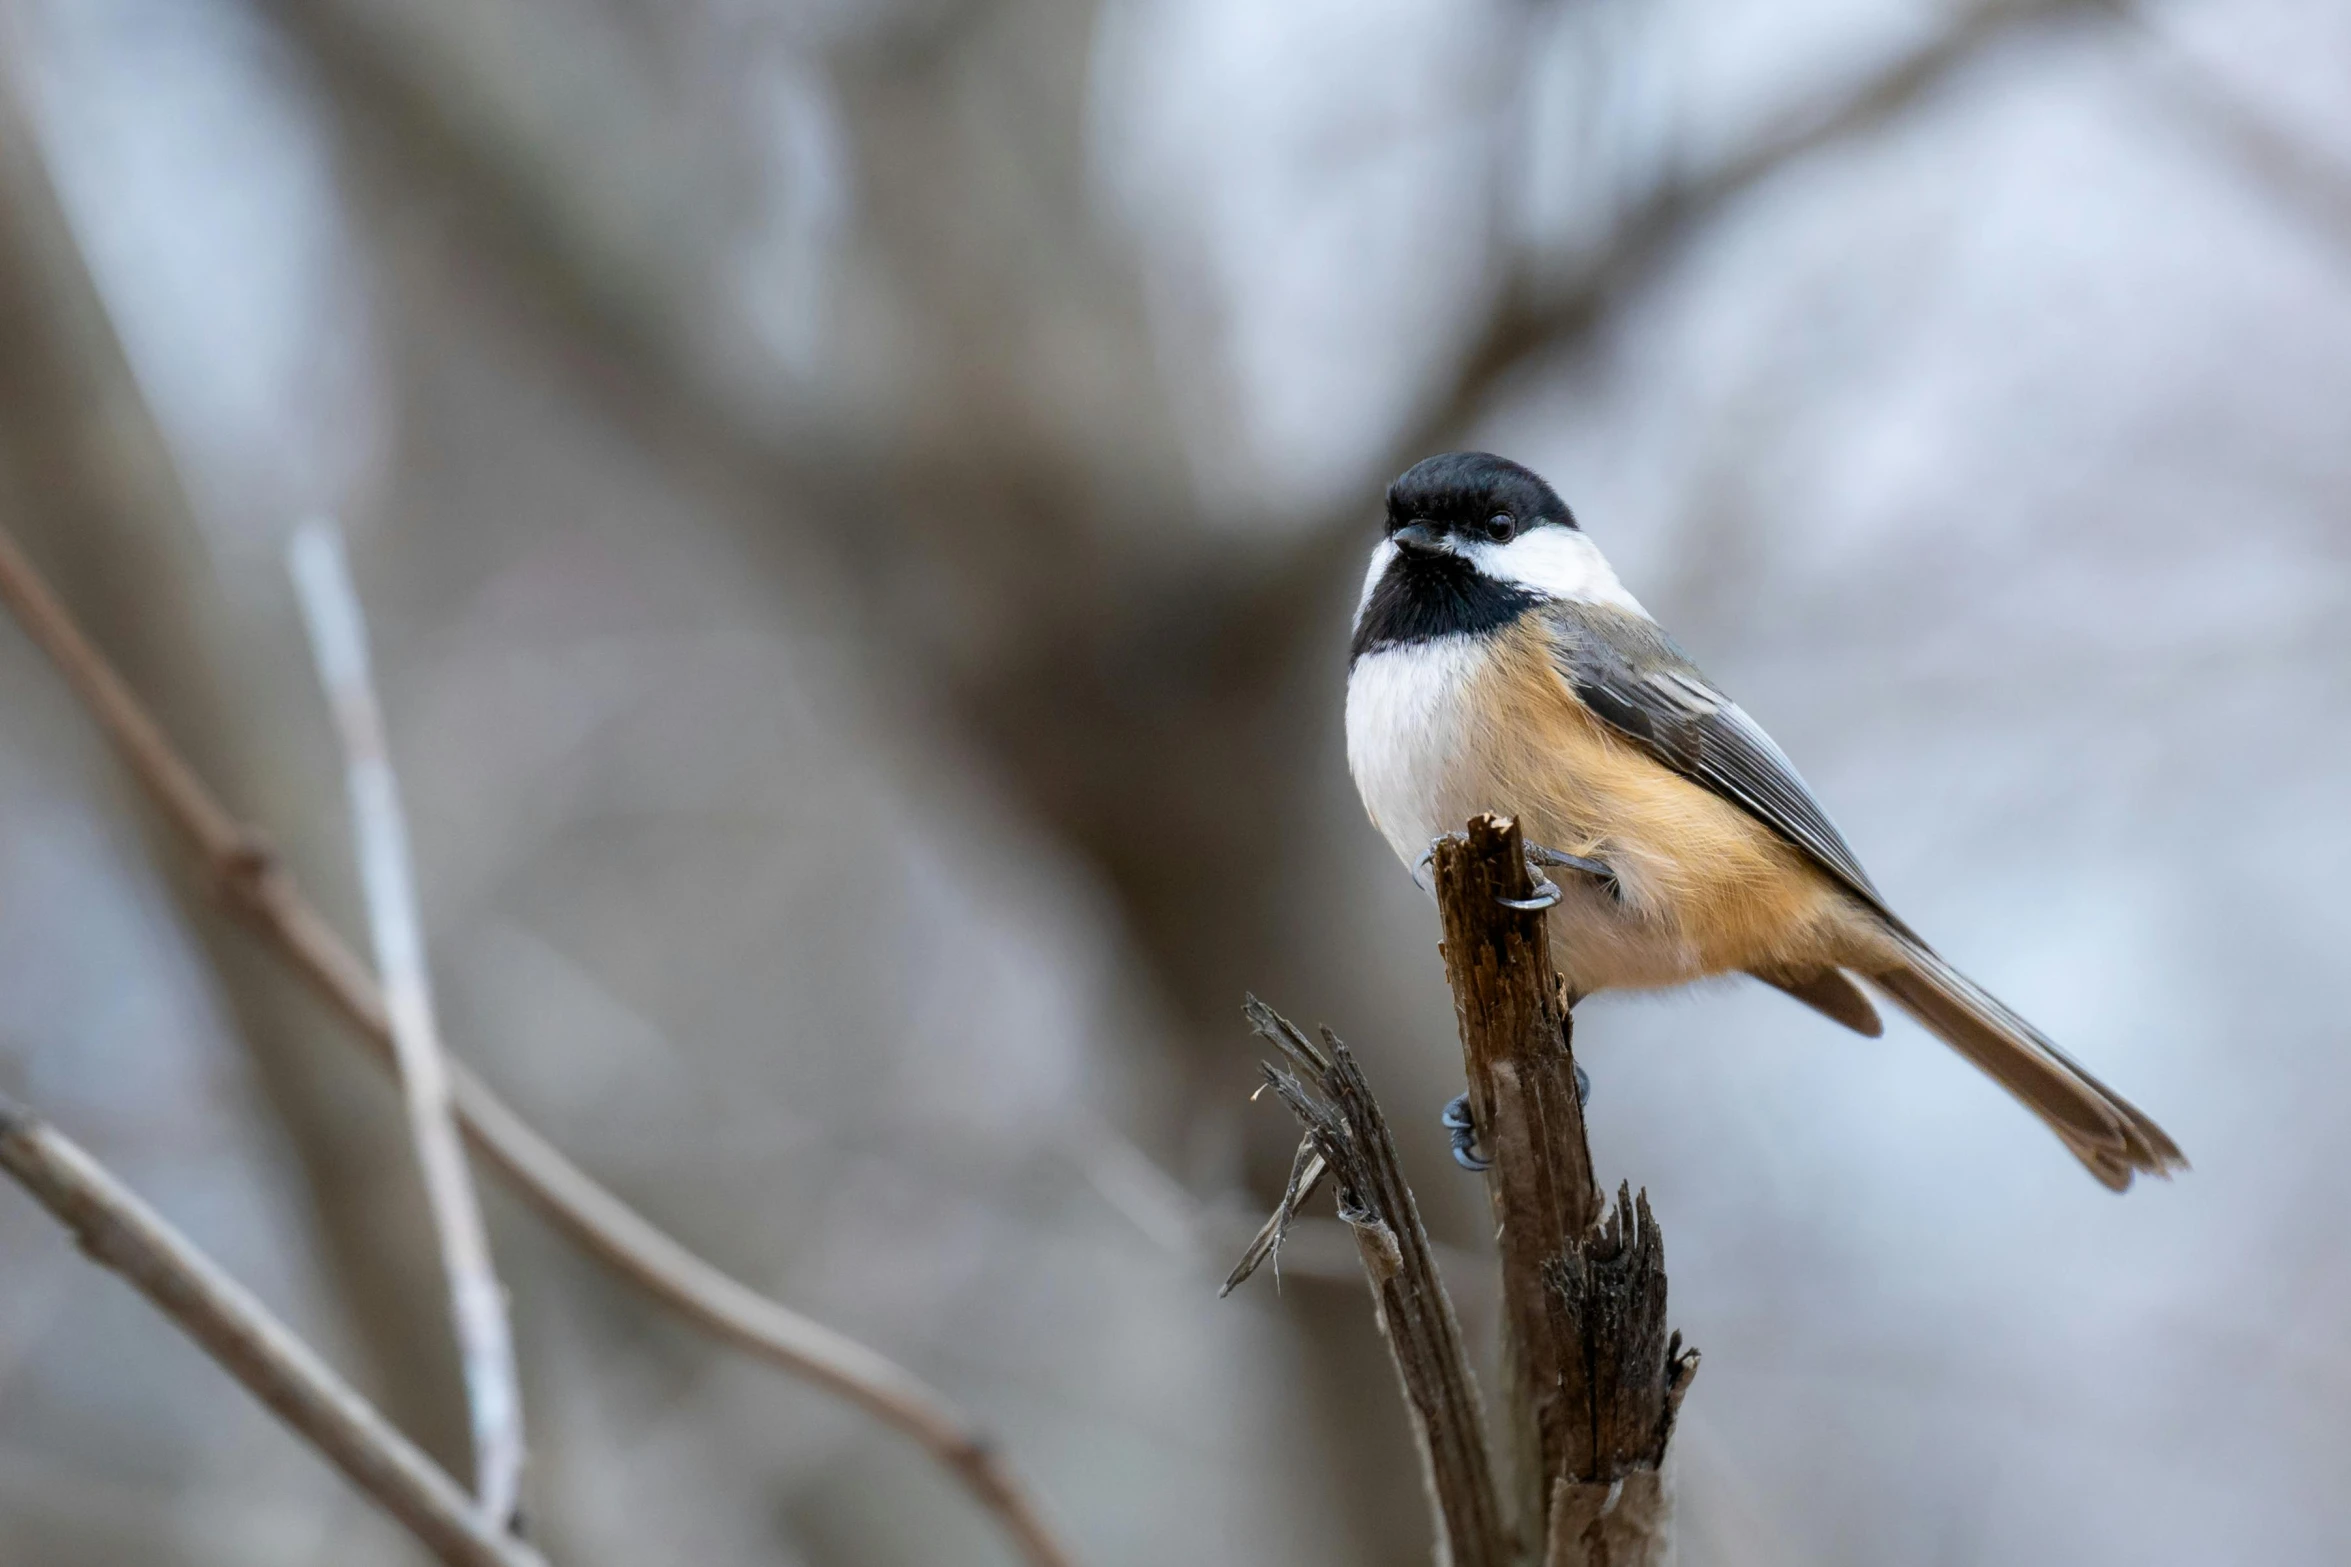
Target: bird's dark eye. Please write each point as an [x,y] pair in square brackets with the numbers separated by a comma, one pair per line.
[1501,527]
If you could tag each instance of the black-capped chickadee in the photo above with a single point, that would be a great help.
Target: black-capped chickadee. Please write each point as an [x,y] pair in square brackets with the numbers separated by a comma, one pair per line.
[1498,665]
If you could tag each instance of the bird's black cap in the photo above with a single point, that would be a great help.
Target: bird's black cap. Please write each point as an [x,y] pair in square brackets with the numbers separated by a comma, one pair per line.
[1463,489]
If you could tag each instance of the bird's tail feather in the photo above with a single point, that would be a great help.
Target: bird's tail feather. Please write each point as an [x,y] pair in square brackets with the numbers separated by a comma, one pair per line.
[2104,1130]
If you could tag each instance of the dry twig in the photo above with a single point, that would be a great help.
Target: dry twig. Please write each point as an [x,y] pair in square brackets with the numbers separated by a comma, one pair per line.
[255,887]
[477,1302]
[1306,1173]
[120,1232]
[1315,1250]
[1349,1138]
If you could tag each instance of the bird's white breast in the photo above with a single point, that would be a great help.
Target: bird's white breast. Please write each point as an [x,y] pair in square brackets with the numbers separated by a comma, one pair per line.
[1410,729]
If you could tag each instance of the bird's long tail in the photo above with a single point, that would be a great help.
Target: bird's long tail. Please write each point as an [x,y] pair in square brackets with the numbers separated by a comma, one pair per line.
[2105,1131]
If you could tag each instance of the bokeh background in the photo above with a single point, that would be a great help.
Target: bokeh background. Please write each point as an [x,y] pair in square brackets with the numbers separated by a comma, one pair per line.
[859,504]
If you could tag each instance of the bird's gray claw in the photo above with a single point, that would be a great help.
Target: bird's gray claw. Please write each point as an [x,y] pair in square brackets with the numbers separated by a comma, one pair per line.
[1464,1132]
[1421,876]
[1599,870]
[1583,1086]
[1545,894]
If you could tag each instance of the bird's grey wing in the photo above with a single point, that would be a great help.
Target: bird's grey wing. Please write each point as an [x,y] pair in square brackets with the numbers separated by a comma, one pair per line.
[1629,672]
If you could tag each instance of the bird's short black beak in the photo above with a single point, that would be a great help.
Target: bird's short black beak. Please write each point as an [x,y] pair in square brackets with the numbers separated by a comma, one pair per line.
[1422,538]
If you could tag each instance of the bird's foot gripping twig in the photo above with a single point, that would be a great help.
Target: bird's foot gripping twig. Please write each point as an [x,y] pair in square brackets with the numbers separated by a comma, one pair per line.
[1547,891]
[1464,1131]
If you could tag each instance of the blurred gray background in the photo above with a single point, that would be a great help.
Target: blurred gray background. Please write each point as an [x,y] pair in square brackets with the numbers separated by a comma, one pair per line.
[859,505]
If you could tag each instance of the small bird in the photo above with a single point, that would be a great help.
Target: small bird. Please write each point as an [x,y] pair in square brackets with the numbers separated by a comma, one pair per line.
[1498,665]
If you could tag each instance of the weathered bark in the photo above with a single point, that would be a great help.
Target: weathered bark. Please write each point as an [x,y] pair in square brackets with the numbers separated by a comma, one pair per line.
[1612,1506]
[1522,1097]
[1594,1379]
[1626,1523]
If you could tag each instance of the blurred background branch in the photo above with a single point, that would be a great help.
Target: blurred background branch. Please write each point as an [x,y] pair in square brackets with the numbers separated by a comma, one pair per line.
[90,479]
[118,1231]
[379,831]
[250,881]
[1543,306]
[2299,170]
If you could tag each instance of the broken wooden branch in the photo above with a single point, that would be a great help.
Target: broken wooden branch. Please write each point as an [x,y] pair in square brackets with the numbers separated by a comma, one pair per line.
[1348,1137]
[1592,1377]
[1610,1506]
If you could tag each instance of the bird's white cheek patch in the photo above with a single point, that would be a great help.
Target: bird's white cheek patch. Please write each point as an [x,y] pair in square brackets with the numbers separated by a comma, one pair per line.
[1408,733]
[1559,563]
[1382,553]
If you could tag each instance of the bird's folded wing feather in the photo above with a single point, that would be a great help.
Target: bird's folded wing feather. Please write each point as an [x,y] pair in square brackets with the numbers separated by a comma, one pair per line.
[1630,674]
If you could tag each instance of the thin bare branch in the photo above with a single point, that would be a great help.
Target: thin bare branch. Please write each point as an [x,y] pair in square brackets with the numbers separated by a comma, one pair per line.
[255,887]
[1326,1092]
[120,1232]
[477,1302]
